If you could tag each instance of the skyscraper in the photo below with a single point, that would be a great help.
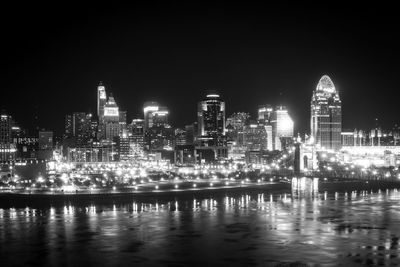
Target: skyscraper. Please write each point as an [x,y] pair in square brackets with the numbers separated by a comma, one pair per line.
[136,137]
[211,115]
[235,125]
[79,126]
[211,137]
[7,147]
[101,103]
[264,114]
[326,115]
[101,100]
[111,119]
[154,115]
[282,126]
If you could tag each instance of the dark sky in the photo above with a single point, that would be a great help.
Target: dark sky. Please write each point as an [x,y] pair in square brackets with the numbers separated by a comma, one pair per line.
[54,57]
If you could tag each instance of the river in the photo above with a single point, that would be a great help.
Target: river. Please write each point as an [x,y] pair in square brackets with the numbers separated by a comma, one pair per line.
[241,228]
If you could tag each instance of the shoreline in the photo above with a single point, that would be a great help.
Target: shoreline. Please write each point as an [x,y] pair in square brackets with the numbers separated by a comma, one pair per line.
[21,200]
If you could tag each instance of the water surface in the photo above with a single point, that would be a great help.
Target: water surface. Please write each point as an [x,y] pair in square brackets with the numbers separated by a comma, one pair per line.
[209,229]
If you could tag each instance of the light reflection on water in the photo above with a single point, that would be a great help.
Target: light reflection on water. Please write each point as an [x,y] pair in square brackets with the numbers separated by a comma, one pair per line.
[329,228]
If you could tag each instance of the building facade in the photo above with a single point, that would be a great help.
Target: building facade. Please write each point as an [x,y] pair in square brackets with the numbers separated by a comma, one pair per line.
[211,139]
[326,115]
[282,127]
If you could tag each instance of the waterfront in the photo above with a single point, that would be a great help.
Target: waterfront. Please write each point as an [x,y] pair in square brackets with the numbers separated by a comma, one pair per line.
[242,227]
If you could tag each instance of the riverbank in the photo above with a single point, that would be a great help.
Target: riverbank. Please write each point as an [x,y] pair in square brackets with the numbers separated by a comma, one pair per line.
[19,199]
[24,199]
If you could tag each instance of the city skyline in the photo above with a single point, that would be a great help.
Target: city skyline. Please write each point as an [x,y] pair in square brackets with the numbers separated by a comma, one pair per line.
[169,53]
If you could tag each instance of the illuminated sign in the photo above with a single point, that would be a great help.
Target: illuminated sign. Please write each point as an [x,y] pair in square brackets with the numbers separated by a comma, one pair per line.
[111,111]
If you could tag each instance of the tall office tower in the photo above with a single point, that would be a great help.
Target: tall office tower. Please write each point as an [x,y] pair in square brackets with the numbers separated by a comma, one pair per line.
[148,109]
[80,127]
[136,137]
[123,146]
[264,114]
[122,121]
[255,137]
[211,138]
[111,119]
[101,100]
[282,127]
[270,145]
[211,115]
[7,148]
[68,132]
[6,123]
[154,115]
[235,125]
[326,115]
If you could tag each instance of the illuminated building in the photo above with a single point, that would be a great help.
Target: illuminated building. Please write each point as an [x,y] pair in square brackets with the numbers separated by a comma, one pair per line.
[154,115]
[235,125]
[282,127]
[79,128]
[211,139]
[6,123]
[268,130]
[326,115]
[122,121]
[123,146]
[348,138]
[264,114]
[211,116]
[367,156]
[7,147]
[159,136]
[101,100]
[111,119]
[136,137]
[95,152]
[180,137]
[184,154]
[184,145]
[27,147]
[255,137]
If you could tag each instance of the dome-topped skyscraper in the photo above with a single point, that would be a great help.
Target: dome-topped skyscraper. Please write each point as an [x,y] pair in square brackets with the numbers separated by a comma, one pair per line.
[326,115]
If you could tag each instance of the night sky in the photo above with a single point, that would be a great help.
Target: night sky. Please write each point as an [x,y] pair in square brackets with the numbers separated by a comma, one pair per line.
[54,57]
